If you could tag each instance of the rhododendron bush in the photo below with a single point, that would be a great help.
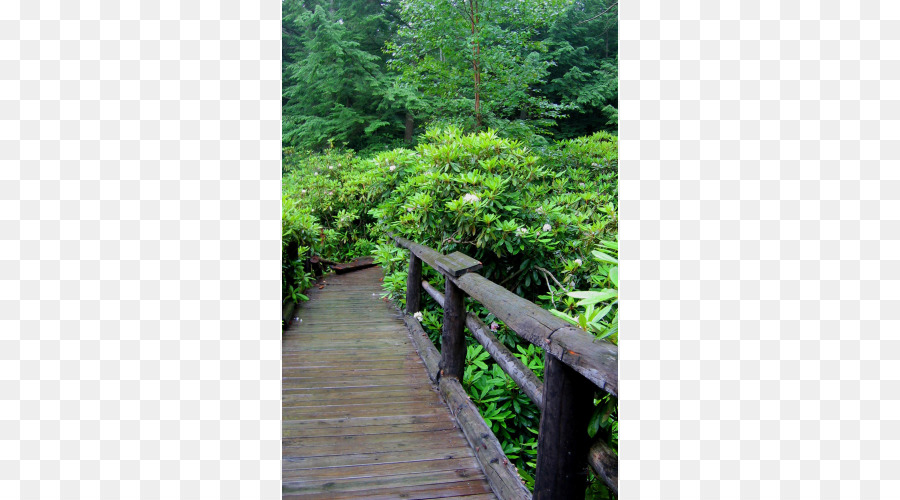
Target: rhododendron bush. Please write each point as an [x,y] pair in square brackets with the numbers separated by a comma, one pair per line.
[542,221]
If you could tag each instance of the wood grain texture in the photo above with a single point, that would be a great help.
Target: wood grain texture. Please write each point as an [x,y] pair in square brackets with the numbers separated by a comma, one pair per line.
[428,352]
[501,473]
[360,417]
[575,362]
[596,360]
[605,463]
[413,289]
[453,337]
[456,264]
[354,265]
[563,440]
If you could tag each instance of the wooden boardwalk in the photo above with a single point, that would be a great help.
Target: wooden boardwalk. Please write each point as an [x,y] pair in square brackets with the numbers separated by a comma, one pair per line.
[360,416]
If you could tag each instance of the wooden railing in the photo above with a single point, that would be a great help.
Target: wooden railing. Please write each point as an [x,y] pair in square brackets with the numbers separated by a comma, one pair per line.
[574,364]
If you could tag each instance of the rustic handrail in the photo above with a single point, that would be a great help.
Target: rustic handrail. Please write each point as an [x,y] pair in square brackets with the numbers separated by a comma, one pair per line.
[574,363]
[521,374]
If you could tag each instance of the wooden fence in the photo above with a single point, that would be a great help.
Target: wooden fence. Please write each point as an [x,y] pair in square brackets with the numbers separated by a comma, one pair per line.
[574,364]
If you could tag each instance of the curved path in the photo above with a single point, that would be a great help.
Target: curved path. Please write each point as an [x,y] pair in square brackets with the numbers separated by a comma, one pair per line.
[360,418]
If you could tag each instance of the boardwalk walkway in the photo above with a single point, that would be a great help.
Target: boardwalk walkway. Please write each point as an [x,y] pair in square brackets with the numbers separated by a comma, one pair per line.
[360,416]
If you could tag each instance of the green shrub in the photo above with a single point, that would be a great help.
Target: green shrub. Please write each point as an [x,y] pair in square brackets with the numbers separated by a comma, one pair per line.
[525,215]
[542,221]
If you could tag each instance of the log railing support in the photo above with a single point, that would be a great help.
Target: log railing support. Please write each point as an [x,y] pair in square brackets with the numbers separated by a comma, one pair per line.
[575,366]
[453,340]
[413,285]
[563,439]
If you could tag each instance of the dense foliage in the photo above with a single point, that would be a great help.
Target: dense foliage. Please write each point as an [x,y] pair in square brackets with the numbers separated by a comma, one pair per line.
[334,80]
[372,75]
[480,126]
[543,222]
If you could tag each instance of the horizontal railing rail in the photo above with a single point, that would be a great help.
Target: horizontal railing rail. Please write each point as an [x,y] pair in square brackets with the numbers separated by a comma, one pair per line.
[575,362]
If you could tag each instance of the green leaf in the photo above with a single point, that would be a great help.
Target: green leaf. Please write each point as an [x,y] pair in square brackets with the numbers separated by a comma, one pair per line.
[564,316]
[603,257]
[594,424]
[592,297]
[614,276]
[603,312]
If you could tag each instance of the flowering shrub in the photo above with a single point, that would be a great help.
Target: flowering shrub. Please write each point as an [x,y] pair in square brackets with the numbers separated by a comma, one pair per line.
[524,214]
[539,221]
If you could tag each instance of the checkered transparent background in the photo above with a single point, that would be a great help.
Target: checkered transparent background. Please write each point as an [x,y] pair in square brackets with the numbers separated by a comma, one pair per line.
[760,243]
[139,249]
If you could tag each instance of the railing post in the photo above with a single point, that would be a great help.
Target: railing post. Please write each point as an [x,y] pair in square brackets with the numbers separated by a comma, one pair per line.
[453,341]
[563,439]
[414,284]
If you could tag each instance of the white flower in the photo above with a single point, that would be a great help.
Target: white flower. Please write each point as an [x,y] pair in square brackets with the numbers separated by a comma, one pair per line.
[330,167]
[540,210]
[522,230]
[418,316]
[547,227]
[316,173]
[594,165]
[578,261]
[494,326]
[409,209]
[393,167]
[470,198]
[302,190]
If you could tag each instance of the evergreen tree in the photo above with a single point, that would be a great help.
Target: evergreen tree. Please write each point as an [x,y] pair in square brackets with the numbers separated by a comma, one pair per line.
[477,62]
[369,74]
[584,48]
[333,76]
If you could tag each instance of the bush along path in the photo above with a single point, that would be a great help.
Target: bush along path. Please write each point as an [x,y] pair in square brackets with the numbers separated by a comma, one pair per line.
[542,221]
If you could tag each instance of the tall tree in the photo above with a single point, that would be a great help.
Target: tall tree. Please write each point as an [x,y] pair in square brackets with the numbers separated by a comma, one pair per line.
[477,62]
[334,80]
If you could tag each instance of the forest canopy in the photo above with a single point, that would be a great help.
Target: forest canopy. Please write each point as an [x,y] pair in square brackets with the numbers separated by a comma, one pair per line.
[370,76]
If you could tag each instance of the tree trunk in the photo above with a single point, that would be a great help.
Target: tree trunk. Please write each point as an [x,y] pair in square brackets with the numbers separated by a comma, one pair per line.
[410,126]
[476,66]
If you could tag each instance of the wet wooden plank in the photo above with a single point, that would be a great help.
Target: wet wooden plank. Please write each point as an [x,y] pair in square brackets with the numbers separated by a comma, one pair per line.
[360,416]
[354,393]
[354,265]
[377,470]
[368,441]
[377,409]
[449,489]
[311,399]
[381,457]
[353,447]
[367,429]
[366,484]
[353,422]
